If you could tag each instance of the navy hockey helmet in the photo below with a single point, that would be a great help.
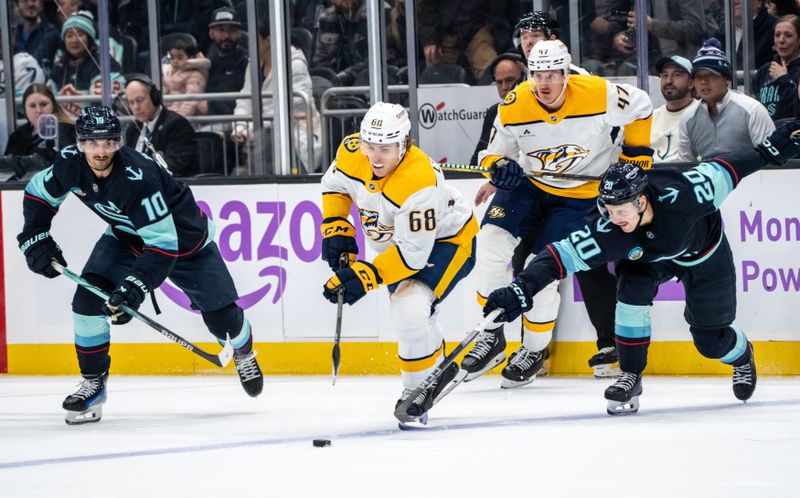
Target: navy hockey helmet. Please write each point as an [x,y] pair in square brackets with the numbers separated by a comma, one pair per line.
[536,21]
[622,182]
[97,122]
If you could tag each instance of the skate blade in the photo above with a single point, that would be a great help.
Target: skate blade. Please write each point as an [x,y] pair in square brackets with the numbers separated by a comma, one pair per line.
[513,384]
[89,416]
[621,408]
[420,423]
[493,363]
[607,371]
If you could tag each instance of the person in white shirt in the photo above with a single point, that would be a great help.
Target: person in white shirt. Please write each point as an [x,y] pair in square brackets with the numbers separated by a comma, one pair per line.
[677,85]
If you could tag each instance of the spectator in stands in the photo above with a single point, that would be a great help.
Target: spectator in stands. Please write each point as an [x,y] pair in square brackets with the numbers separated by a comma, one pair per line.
[26,70]
[763,26]
[35,35]
[453,30]
[158,132]
[228,61]
[65,8]
[342,39]
[188,16]
[725,119]
[301,82]
[76,71]
[776,81]
[27,151]
[396,53]
[785,7]
[507,70]
[677,88]
[187,72]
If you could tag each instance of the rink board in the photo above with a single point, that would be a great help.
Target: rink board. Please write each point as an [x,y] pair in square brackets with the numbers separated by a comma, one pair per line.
[269,236]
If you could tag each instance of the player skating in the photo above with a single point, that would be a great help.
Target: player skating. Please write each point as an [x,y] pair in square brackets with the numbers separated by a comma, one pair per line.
[660,224]
[557,123]
[423,230]
[155,231]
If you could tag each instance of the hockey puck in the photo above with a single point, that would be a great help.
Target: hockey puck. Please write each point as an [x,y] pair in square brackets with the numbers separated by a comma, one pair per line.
[321,443]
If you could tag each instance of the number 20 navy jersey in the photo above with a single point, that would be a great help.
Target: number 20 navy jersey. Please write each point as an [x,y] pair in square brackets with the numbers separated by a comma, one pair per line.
[147,209]
[686,227]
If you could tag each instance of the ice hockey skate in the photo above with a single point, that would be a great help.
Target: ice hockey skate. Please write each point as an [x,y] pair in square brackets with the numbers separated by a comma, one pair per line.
[488,352]
[86,404]
[605,363]
[522,367]
[744,377]
[623,395]
[418,410]
[249,372]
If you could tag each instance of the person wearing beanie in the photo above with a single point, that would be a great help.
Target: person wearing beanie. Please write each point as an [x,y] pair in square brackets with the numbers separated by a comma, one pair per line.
[75,71]
[776,81]
[725,119]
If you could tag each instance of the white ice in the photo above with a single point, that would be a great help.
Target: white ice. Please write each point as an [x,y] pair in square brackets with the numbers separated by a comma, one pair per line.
[202,436]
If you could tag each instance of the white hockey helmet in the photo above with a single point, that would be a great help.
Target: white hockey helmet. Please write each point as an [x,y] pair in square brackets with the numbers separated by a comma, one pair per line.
[549,55]
[386,123]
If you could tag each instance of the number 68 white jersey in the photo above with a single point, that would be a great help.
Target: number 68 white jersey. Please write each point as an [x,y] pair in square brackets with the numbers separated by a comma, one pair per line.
[402,214]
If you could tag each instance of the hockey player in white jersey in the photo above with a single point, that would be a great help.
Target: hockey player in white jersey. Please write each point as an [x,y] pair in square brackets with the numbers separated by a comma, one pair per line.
[555,123]
[421,228]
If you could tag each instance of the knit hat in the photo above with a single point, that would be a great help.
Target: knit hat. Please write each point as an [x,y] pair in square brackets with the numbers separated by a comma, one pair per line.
[82,20]
[711,57]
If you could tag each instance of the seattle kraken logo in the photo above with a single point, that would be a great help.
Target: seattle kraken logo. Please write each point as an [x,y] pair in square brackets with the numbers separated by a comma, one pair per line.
[561,157]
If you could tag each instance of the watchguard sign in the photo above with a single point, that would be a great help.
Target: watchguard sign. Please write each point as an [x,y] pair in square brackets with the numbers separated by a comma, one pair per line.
[450,120]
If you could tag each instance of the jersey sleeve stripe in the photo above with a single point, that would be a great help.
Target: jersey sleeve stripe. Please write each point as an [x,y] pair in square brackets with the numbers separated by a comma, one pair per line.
[41,201]
[720,179]
[730,169]
[37,189]
[162,234]
[569,257]
[558,261]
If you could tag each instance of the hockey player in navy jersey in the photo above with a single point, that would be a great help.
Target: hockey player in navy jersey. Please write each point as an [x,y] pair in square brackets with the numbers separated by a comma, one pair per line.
[657,225]
[155,230]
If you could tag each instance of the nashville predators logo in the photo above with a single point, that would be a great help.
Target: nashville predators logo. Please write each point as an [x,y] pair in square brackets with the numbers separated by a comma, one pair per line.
[511,97]
[374,229]
[351,144]
[496,212]
[560,158]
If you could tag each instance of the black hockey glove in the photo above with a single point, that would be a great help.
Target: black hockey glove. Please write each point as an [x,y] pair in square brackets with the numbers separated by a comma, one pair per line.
[130,292]
[507,174]
[339,237]
[783,144]
[514,299]
[39,250]
[354,282]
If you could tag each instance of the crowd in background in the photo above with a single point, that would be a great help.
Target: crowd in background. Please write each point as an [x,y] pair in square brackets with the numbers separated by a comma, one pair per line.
[204,49]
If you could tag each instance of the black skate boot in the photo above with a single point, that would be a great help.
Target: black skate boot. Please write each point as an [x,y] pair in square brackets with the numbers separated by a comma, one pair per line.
[605,363]
[86,404]
[488,351]
[418,410]
[249,372]
[522,367]
[744,377]
[623,395]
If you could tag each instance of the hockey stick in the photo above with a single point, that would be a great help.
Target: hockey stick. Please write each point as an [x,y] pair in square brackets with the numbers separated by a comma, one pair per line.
[401,412]
[335,355]
[220,360]
[474,168]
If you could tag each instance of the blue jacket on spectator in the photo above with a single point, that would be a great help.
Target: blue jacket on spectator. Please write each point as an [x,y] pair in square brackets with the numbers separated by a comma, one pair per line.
[41,43]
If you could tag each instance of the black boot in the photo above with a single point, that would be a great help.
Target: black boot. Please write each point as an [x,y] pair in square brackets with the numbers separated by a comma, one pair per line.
[623,395]
[744,376]
[249,372]
[488,351]
[86,404]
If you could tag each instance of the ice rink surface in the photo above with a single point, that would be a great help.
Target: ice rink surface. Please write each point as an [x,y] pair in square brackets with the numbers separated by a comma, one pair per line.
[202,436]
